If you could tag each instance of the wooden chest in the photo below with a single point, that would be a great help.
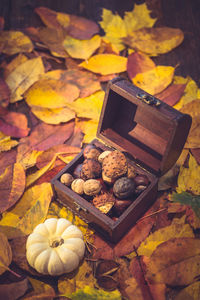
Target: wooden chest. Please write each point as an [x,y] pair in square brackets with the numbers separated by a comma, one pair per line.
[149,132]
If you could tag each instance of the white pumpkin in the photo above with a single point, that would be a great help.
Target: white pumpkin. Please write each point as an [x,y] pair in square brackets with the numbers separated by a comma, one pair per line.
[55,247]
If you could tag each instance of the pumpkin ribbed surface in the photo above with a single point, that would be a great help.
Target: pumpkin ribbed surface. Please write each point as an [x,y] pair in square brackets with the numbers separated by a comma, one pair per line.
[55,247]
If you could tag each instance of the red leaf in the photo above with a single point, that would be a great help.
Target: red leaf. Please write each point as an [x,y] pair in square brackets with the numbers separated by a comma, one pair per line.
[139,63]
[172,94]
[7,158]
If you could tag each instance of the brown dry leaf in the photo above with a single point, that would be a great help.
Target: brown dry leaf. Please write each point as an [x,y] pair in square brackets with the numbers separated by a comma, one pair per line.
[49,175]
[105,64]
[86,81]
[12,42]
[172,94]
[193,139]
[155,41]
[7,158]
[12,184]
[5,253]
[192,108]
[54,115]
[41,290]
[81,49]
[175,262]
[51,93]
[77,27]
[15,62]
[190,292]
[53,39]
[23,76]
[139,63]
[45,157]
[4,93]
[13,123]
[155,80]
[14,290]
[6,143]
[196,154]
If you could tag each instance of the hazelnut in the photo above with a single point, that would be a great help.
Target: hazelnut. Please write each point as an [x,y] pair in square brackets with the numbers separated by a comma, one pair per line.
[92,187]
[123,187]
[131,173]
[114,166]
[77,171]
[77,186]
[66,179]
[93,153]
[103,155]
[141,180]
[104,202]
[87,149]
[120,206]
[91,169]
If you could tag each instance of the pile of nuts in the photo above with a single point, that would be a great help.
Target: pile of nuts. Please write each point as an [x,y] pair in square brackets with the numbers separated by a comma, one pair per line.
[107,180]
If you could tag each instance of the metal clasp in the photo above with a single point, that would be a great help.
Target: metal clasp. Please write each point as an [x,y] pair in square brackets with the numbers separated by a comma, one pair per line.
[148,99]
[78,208]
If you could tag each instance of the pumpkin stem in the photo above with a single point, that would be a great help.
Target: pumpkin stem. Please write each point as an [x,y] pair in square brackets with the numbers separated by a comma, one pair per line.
[57,243]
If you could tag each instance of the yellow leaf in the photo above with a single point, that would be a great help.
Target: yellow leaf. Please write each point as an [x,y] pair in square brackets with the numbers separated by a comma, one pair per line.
[27,159]
[105,64]
[138,18]
[18,60]
[51,93]
[189,178]
[23,77]
[93,293]
[12,42]
[66,159]
[191,292]
[154,41]
[81,49]
[89,107]
[193,139]
[190,92]
[6,143]
[155,80]
[178,228]
[89,128]
[192,108]
[5,253]
[54,115]
[41,290]
[114,27]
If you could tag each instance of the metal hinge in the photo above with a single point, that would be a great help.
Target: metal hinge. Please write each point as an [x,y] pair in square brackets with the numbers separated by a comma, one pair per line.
[148,99]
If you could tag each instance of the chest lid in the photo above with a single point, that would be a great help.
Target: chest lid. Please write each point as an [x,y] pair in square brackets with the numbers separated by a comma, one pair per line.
[147,129]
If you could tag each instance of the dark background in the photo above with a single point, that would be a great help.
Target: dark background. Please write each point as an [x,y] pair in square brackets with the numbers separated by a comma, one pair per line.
[183,14]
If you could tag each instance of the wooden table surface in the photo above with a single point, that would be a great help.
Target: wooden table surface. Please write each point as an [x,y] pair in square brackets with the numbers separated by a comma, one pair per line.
[183,14]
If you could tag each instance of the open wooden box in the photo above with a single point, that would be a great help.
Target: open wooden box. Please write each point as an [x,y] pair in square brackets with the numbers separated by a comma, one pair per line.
[149,132]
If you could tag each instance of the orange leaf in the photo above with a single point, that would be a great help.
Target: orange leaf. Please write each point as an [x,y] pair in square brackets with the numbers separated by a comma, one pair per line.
[139,63]
[172,94]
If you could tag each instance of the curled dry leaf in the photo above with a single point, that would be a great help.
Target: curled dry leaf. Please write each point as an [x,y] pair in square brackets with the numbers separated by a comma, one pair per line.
[23,76]
[155,41]
[81,49]
[4,93]
[175,262]
[13,124]
[105,64]
[12,42]
[5,253]
[12,184]
[155,80]
[6,143]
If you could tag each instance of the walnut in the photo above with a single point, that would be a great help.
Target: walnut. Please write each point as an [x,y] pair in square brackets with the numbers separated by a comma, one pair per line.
[66,179]
[91,169]
[92,187]
[103,155]
[104,202]
[77,186]
[93,153]
[114,166]
[131,173]
[123,187]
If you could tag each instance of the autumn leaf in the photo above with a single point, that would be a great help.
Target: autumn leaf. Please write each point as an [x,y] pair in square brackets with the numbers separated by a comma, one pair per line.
[12,184]
[189,178]
[12,42]
[23,76]
[114,28]
[6,143]
[86,81]
[175,262]
[154,41]
[155,80]
[51,93]
[93,293]
[15,62]
[2,23]
[172,94]
[7,158]
[81,49]
[5,253]
[139,17]
[4,93]
[89,128]
[177,229]
[41,290]
[14,290]
[139,63]
[192,108]
[105,64]
[189,292]
[188,199]
[89,107]
[54,115]
[13,124]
